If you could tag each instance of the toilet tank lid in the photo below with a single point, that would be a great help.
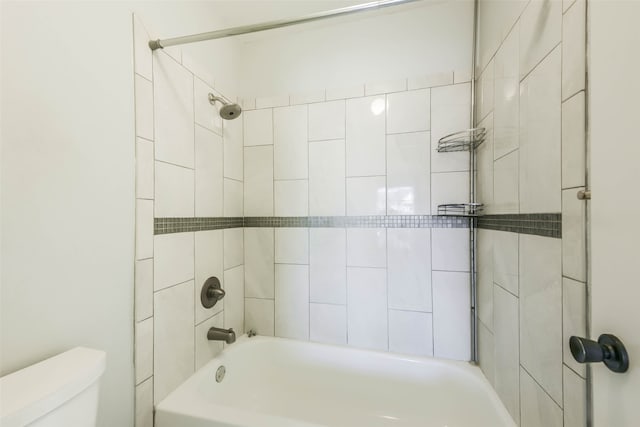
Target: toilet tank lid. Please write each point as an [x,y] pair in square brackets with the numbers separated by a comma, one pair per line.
[30,393]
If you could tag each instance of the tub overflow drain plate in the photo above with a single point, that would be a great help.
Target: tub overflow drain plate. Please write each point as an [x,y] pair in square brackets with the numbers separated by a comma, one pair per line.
[220,373]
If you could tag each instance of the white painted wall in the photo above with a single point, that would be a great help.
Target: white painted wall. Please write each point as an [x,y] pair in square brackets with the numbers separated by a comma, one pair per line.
[68,179]
[424,38]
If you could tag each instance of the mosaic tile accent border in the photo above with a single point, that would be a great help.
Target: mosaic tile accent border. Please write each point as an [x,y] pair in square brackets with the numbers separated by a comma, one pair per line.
[180,225]
[542,224]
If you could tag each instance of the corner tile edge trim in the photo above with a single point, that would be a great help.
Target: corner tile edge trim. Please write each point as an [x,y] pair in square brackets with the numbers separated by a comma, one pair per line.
[539,224]
[181,225]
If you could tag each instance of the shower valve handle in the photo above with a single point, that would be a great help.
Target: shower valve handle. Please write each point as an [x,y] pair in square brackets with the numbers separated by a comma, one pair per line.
[609,350]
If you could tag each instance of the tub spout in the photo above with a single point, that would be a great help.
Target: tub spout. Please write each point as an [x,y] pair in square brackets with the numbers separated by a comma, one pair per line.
[218,334]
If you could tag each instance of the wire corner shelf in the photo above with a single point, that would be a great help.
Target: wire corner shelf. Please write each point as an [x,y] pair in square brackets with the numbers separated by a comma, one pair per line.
[465,140]
[461,209]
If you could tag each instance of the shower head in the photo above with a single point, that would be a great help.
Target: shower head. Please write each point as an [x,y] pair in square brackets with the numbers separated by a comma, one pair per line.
[229,110]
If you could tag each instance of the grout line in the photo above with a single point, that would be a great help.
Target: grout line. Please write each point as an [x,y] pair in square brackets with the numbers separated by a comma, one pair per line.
[540,385]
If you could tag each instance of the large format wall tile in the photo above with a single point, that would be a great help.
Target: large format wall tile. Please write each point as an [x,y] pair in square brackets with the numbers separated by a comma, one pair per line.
[409,269]
[259,316]
[208,263]
[574,245]
[174,259]
[206,115]
[292,301]
[174,347]
[327,121]
[451,326]
[144,107]
[365,136]
[537,408]
[505,261]
[292,245]
[258,181]
[411,332]
[206,349]
[290,147]
[232,134]
[450,110]
[259,262]
[574,48]
[328,323]
[258,127]
[507,353]
[540,32]
[507,97]
[328,268]
[408,111]
[574,148]
[366,247]
[506,193]
[367,308]
[450,249]
[327,185]
[366,196]
[174,114]
[540,134]
[484,279]
[574,320]
[174,191]
[541,311]
[234,299]
[208,174]
[291,197]
[408,174]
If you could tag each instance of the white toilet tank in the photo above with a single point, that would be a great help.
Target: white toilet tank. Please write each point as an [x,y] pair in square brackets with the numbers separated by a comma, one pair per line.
[58,392]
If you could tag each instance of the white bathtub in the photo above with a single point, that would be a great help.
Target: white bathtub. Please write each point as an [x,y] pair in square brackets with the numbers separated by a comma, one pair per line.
[274,382]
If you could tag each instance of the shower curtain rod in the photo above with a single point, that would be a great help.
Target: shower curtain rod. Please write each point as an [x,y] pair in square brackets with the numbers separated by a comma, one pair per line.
[254,28]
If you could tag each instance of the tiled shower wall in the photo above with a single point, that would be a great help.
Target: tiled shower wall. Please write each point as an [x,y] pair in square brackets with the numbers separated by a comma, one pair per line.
[532,292]
[189,165]
[340,246]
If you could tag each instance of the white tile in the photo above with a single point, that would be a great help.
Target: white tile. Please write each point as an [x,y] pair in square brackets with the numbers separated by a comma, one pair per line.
[233,137]
[447,188]
[575,399]
[451,315]
[409,258]
[259,316]
[367,308]
[307,97]
[327,178]
[484,94]
[574,229]
[366,136]
[233,195]
[540,134]
[484,166]
[272,101]
[540,32]
[573,142]
[386,86]
[144,404]
[366,196]
[292,245]
[505,260]
[258,262]
[566,4]
[450,112]
[345,92]
[208,174]
[485,352]
[258,181]
[461,76]
[233,247]
[574,49]
[290,146]
[498,20]
[506,190]
[174,345]
[174,259]
[174,116]
[175,191]
[144,289]
[143,58]
[258,127]
[291,197]
[205,349]
[328,271]
[327,121]
[144,229]
[574,320]
[144,350]
[234,299]
[408,177]
[198,69]
[541,311]
[507,96]
[144,169]
[411,332]
[248,103]
[292,301]
[507,351]
[431,80]
[450,249]
[144,107]
[328,323]
[366,247]
[537,408]
[206,114]
[409,111]
[484,280]
[208,263]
